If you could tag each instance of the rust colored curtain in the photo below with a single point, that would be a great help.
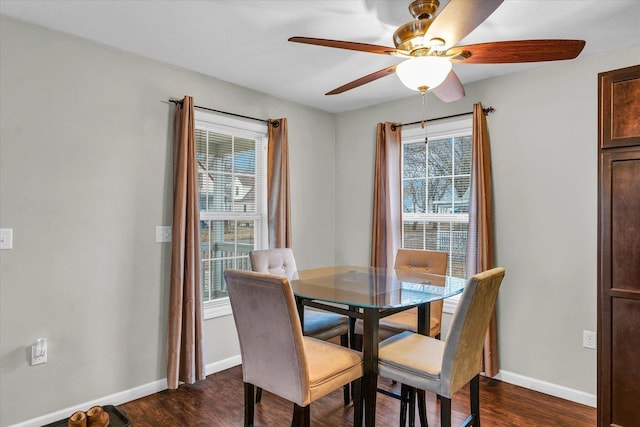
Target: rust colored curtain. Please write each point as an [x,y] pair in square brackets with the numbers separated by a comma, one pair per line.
[387,202]
[480,246]
[185,348]
[278,205]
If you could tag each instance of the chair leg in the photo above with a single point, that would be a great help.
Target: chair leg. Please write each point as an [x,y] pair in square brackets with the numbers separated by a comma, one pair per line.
[404,399]
[258,394]
[412,407]
[474,387]
[248,404]
[301,416]
[344,342]
[356,386]
[356,342]
[445,412]
[422,408]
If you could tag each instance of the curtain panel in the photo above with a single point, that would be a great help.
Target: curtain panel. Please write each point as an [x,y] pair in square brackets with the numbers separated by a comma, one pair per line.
[480,241]
[278,204]
[387,199]
[185,346]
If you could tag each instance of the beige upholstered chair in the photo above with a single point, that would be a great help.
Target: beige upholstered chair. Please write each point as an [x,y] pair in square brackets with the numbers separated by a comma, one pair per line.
[317,324]
[412,259]
[443,367]
[277,357]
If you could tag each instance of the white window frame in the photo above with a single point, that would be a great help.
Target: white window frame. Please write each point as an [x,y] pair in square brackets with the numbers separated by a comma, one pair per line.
[248,129]
[445,129]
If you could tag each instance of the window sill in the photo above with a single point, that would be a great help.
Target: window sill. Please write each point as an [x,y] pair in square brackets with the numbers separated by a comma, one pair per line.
[450,304]
[217,308]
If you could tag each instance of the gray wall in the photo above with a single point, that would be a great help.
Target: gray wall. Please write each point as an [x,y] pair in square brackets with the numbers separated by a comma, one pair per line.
[544,153]
[85,176]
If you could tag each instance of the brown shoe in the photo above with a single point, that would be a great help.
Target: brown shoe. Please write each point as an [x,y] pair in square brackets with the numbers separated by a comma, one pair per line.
[78,419]
[97,417]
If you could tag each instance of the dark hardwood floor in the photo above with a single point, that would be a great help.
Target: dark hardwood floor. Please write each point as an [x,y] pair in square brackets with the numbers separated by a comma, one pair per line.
[218,402]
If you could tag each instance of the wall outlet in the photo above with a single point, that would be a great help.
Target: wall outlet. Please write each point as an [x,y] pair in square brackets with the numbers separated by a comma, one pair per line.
[6,238]
[589,339]
[163,233]
[39,352]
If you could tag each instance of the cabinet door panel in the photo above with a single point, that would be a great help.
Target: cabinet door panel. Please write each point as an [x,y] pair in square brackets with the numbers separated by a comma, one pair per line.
[625,224]
[625,370]
[619,92]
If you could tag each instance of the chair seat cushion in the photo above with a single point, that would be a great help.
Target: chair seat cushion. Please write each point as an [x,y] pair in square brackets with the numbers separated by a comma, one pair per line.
[330,366]
[324,325]
[412,359]
[406,320]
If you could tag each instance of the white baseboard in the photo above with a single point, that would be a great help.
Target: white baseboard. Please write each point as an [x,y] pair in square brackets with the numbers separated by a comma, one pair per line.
[160,385]
[124,396]
[548,388]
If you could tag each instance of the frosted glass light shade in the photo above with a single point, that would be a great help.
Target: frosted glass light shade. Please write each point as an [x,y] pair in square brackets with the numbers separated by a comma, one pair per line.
[421,71]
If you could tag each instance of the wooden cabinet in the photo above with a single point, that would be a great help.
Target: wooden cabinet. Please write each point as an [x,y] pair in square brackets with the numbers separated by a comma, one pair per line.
[619,248]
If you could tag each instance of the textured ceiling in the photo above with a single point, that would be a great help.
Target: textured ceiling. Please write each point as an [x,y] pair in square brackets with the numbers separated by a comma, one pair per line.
[245,42]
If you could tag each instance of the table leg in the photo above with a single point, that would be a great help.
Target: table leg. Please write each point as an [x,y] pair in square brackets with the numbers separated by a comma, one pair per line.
[300,307]
[370,364]
[424,319]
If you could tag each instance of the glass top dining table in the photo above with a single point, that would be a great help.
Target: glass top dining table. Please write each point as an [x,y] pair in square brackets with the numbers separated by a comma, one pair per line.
[370,294]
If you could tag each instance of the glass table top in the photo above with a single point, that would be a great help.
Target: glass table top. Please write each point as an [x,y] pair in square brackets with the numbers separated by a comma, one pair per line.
[374,287]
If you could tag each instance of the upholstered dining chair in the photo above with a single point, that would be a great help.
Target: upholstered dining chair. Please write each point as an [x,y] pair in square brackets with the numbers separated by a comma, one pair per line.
[411,259]
[277,357]
[317,324]
[443,367]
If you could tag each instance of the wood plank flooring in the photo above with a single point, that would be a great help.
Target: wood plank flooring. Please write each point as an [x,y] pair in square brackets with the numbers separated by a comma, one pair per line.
[218,402]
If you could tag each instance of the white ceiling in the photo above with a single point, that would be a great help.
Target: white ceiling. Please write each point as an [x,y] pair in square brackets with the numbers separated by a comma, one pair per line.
[245,42]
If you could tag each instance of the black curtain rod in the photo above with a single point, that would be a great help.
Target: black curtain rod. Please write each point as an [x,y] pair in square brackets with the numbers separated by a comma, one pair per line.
[274,123]
[486,111]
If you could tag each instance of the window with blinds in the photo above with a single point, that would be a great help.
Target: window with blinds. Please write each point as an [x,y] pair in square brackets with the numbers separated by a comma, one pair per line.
[231,185]
[435,190]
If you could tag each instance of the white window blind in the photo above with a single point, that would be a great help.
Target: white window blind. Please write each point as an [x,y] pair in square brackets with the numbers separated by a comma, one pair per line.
[435,190]
[231,156]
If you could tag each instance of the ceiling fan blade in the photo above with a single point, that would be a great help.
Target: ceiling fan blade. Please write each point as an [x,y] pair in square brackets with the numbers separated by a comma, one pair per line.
[459,18]
[450,89]
[509,52]
[364,80]
[360,47]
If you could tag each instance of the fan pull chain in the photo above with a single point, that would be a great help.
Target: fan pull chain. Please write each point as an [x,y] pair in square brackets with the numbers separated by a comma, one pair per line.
[423,124]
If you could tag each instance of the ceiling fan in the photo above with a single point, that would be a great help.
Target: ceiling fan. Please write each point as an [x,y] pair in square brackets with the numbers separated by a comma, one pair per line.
[429,45]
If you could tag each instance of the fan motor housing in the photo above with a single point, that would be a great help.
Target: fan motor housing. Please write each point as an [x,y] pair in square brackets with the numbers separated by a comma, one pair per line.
[410,36]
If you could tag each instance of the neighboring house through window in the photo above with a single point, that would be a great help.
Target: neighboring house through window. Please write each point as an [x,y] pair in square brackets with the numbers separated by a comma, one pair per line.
[435,190]
[231,158]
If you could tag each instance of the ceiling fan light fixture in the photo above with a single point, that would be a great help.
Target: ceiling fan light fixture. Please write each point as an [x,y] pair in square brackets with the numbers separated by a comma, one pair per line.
[421,71]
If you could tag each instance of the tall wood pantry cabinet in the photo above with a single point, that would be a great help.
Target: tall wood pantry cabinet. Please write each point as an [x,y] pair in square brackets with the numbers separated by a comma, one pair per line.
[619,248]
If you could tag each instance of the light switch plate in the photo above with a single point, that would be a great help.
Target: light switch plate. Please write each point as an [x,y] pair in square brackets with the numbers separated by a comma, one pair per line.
[163,233]
[6,238]
[39,352]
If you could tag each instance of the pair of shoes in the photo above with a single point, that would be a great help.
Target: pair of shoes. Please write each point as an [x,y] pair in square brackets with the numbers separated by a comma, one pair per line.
[94,417]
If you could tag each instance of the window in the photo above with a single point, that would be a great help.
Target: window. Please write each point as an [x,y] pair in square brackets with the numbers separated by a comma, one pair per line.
[232,191]
[435,190]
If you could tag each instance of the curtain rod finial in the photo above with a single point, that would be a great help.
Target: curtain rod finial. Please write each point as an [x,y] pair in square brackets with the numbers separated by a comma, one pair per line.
[488,110]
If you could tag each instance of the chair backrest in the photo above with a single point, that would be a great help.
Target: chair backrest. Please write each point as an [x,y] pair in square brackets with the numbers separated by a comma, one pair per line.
[270,334]
[465,340]
[278,261]
[428,261]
